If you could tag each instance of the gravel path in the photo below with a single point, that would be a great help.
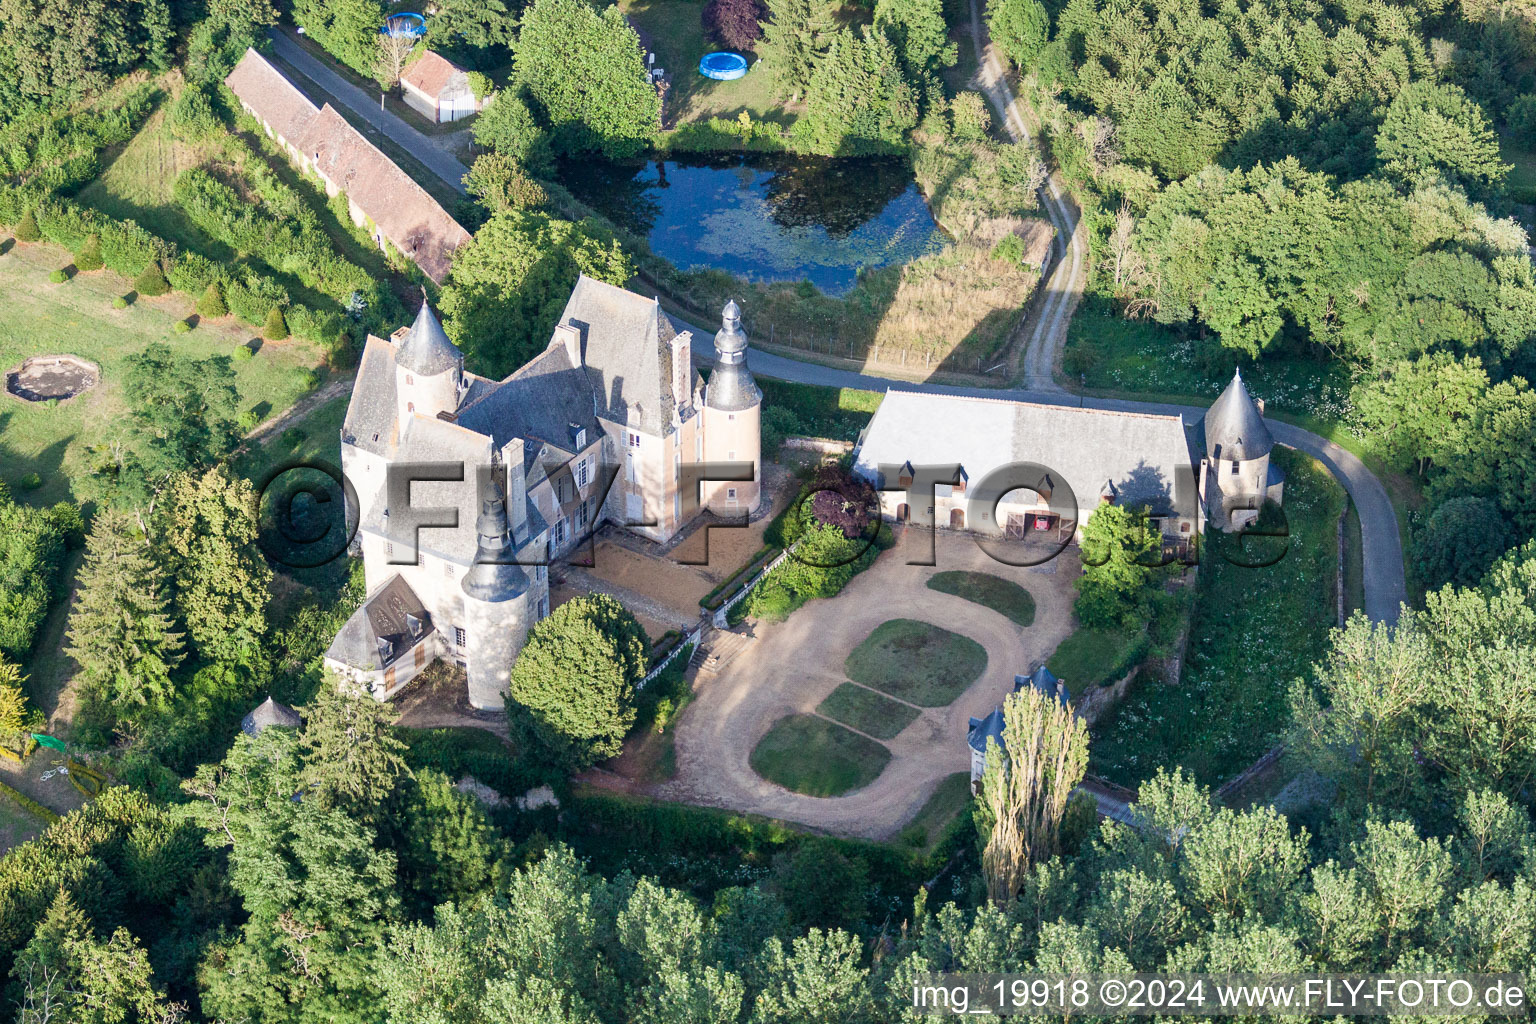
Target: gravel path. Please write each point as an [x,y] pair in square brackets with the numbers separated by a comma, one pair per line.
[796,663]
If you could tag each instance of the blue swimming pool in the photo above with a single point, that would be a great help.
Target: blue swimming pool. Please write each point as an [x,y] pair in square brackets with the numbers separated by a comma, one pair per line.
[723,66]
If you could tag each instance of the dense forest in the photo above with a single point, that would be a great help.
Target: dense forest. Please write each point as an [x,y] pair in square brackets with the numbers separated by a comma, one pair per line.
[1261,182]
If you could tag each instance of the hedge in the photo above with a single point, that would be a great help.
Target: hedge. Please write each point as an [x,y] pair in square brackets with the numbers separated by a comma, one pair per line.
[28,804]
[736,580]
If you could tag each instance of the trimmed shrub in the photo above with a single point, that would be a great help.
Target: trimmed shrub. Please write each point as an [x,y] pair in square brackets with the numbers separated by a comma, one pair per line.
[192,273]
[121,302]
[26,228]
[211,305]
[151,280]
[242,354]
[248,419]
[181,327]
[30,482]
[275,328]
[58,277]
[89,256]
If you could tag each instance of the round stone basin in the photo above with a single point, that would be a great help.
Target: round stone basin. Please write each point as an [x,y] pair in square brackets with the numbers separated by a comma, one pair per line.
[46,378]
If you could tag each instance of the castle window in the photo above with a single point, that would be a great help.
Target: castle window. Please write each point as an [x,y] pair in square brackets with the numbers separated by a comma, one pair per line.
[634,439]
[730,456]
[448,569]
[389,551]
[730,493]
[1183,527]
[409,379]
[730,417]
[410,406]
[1234,467]
[582,474]
[459,639]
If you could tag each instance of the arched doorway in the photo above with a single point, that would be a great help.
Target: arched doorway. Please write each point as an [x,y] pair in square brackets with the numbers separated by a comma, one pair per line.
[957,518]
[903,512]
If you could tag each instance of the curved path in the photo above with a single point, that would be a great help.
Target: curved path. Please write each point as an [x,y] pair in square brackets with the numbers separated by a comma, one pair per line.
[796,663]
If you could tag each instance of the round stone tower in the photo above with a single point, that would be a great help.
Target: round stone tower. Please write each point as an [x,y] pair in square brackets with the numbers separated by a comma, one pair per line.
[1238,475]
[733,407]
[495,606]
[429,369]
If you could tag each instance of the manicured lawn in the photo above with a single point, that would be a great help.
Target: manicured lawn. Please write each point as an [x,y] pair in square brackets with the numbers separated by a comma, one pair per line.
[1253,631]
[917,662]
[674,29]
[77,318]
[990,591]
[867,711]
[952,798]
[816,757]
[1093,657]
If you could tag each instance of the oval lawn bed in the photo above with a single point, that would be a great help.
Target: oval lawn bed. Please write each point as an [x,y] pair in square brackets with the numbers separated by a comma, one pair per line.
[917,662]
[813,756]
[989,591]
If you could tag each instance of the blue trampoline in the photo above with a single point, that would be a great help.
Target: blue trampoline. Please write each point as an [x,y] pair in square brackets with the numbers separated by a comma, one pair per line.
[723,66]
[405,23]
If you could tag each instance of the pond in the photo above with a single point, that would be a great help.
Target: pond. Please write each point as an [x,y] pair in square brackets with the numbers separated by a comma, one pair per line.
[766,218]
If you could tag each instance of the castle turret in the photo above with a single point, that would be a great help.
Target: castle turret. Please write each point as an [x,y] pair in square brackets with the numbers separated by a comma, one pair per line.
[429,369]
[1236,475]
[495,605]
[733,418]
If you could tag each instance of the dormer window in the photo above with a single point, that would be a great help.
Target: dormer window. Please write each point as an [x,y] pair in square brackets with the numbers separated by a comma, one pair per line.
[581,438]
[412,625]
[386,650]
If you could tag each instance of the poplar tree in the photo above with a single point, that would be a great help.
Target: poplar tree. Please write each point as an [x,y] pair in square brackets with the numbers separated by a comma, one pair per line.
[1026,786]
[121,631]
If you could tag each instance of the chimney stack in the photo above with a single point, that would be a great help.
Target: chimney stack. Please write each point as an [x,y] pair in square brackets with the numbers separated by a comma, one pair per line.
[570,336]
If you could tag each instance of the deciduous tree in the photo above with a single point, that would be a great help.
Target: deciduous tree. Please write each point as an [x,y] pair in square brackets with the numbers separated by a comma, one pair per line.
[1432,127]
[735,24]
[1026,785]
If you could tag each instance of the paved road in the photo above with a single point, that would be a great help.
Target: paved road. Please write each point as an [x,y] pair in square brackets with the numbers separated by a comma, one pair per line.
[340,91]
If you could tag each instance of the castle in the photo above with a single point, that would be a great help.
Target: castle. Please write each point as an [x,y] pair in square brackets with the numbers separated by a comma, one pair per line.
[607,425]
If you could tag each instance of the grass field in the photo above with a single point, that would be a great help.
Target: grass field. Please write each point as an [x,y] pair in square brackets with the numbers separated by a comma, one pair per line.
[675,31]
[1003,596]
[1107,352]
[77,317]
[1093,657]
[16,825]
[137,177]
[1521,154]
[917,662]
[811,755]
[867,711]
[1253,631]
[951,798]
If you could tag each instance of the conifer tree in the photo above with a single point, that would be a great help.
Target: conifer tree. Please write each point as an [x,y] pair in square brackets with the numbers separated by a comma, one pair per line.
[791,42]
[352,758]
[208,535]
[211,304]
[89,256]
[13,703]
[121,631]
[275,328]
[26,228]
[151,280]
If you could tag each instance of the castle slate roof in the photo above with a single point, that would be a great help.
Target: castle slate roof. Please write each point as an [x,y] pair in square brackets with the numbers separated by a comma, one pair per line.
[267,714]
[627,346]
[1145,457]
[389,623]
[983,729]
[545,399]
[370,422]
[1234,427]
[426,349]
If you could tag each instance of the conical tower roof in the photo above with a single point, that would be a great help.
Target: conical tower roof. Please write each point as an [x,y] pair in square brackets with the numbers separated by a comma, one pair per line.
[494,576]
[1234,428]
[731,386]
[426,349]
[729,338]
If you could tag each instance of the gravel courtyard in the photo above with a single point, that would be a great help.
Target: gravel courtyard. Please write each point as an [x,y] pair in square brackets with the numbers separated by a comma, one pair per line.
[795,664]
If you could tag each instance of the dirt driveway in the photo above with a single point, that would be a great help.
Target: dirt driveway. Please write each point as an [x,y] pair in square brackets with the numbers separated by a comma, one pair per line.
[796,663]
